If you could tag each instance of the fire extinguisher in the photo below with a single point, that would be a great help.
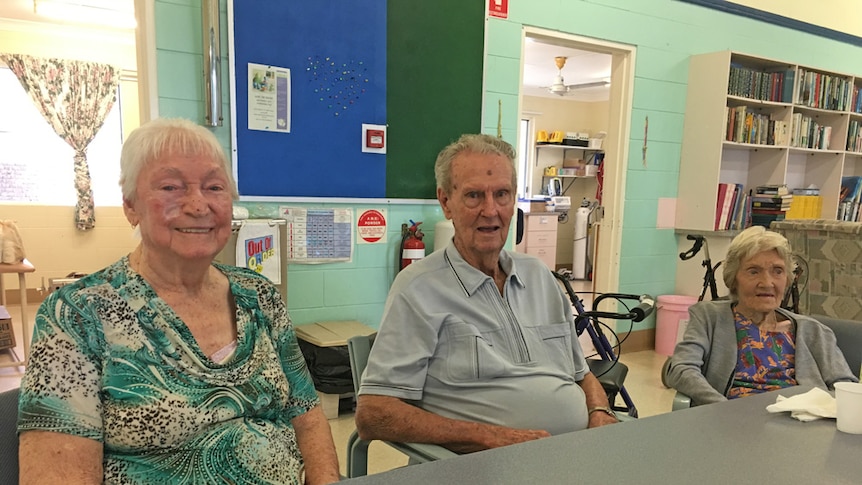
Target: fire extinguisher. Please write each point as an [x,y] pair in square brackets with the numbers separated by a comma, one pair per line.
[412,247]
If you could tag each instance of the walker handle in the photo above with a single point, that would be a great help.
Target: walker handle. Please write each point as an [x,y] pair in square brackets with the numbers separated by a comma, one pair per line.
[698,243]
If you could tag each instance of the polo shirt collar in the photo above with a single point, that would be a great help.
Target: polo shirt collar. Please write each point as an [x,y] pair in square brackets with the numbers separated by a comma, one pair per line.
[471,278]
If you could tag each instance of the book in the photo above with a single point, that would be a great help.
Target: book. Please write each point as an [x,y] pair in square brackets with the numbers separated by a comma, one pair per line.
[733,220]
[849,198]
[719,204]
[787,86]
[772,189]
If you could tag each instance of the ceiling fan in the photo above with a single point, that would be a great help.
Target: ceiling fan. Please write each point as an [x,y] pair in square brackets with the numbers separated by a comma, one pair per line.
[560,88]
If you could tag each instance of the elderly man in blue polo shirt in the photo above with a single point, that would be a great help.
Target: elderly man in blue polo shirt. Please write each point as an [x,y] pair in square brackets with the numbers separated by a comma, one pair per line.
[477,348]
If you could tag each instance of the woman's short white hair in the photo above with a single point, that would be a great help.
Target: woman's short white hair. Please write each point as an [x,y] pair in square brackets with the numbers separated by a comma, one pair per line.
[752,241]
[167,136]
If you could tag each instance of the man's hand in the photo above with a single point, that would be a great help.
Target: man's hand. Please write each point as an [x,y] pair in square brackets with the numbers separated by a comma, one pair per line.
[596,398]
[601,418]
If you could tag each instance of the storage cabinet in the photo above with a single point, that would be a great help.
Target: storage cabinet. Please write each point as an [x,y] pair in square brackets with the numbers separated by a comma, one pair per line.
[801,131]
[540,237]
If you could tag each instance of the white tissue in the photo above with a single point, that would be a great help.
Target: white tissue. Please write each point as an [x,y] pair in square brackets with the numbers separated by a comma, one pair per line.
[814,404]
[240,212]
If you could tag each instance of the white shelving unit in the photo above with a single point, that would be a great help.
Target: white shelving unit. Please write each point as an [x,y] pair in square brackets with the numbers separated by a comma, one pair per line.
[554,155]
[709,158]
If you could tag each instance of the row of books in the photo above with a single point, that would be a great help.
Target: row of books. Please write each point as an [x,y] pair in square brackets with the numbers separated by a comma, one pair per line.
[744,126]
[730,207]
[770,203]
[824,91]
[766,203]
[856,104]
[805,132]
[805,207]
[850,198]
[762,85]
[854,136]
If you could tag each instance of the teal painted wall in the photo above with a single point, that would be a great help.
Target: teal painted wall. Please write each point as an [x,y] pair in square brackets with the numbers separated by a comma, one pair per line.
[665,33]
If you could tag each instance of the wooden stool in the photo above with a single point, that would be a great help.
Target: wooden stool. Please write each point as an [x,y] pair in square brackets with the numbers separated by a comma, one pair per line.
[21,268]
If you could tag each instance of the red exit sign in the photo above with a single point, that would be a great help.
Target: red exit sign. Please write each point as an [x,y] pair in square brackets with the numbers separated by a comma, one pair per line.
[498,8]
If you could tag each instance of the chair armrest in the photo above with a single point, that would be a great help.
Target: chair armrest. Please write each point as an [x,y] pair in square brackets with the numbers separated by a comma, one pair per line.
[423,452]
[680,401]
[357,453]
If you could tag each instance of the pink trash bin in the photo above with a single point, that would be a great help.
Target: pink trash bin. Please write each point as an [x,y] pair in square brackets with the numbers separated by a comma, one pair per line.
[671,319]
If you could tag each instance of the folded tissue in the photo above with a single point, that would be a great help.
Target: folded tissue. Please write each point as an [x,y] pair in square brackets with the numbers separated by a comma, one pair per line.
[814,404]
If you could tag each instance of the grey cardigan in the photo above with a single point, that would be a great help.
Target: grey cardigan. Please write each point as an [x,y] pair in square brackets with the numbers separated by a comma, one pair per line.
[703,363]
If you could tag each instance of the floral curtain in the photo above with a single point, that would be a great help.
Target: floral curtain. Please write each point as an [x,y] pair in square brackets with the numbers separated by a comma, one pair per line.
[74,97]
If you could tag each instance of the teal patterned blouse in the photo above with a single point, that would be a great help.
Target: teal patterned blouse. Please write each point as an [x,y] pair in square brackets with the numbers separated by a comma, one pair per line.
[111,361]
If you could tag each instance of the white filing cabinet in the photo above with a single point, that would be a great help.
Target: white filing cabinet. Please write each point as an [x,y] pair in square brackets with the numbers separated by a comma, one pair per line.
[540,237]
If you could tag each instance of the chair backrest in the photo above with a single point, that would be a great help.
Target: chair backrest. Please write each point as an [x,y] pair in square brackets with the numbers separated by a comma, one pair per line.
[9,436]
[358,348]
[848,334]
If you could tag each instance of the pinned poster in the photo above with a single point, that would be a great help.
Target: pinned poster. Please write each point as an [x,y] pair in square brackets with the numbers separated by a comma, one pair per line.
[257,248]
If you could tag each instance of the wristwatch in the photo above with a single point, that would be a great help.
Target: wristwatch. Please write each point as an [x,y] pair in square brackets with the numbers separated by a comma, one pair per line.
[603,409]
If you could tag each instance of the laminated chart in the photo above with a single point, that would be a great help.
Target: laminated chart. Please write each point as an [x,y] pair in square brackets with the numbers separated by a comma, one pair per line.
[318,235]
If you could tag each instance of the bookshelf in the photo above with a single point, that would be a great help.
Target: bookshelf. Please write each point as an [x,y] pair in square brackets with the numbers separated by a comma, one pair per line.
[800,131]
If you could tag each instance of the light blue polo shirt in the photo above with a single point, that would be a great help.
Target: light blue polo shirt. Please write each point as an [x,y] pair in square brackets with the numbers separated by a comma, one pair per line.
[451,344]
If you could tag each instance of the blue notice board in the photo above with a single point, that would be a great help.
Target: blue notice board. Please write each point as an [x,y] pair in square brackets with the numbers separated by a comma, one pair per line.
[336,54]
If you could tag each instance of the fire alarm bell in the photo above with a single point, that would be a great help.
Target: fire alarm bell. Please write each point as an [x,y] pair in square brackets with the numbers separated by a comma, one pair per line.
[374,139]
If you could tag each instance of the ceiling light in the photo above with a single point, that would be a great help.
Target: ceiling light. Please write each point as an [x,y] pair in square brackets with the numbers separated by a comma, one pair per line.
[109,14]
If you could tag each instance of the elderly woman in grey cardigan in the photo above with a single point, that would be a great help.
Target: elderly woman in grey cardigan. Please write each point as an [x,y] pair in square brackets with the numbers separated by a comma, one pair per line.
[748,344]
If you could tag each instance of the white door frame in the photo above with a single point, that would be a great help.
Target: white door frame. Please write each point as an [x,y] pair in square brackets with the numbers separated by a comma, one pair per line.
[606,267]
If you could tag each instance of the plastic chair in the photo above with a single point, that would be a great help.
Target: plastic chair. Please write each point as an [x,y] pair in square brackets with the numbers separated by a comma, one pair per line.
[358,348]
[848,336]
[9,436]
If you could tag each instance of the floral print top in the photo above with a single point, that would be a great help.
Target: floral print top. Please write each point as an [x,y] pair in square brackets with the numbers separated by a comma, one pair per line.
[112,362]
[766,360]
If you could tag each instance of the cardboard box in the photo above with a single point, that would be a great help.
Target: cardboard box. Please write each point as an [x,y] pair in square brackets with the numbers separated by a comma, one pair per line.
[7,333]
[330,334]
[573,163]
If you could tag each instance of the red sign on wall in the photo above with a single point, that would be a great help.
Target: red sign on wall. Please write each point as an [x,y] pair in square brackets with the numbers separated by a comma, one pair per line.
[498,8]
[371,226]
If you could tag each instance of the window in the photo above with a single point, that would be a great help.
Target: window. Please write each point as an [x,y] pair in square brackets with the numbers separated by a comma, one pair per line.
[37,166]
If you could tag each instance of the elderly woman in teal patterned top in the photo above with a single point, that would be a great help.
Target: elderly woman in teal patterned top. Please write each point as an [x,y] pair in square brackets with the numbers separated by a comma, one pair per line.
[748,344]
[166,367]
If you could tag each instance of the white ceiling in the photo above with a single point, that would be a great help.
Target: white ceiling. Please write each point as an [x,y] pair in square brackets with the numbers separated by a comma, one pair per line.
[539,68]
[581,67]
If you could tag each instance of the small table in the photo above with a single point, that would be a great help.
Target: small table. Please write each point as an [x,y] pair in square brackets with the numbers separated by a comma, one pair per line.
[22,269]
[331,334]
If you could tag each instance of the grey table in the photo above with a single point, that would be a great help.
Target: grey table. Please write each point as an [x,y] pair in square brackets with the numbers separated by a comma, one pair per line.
[719,443]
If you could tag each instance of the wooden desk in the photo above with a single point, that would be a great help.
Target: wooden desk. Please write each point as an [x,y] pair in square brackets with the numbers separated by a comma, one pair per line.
[21,269]
[729,442]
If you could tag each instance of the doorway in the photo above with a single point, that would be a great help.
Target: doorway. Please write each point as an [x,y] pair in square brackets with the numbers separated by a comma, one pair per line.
[598,73]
